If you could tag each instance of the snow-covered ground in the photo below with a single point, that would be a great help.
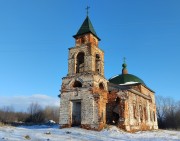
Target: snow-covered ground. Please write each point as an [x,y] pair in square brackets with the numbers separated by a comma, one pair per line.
[53,133]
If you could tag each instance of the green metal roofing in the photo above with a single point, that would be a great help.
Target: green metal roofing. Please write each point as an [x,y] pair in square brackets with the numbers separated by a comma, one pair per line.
[124,78]
[86,27]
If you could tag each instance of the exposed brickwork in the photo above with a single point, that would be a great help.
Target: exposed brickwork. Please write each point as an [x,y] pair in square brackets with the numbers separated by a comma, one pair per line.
[86,68]
[135,112]
[88,38]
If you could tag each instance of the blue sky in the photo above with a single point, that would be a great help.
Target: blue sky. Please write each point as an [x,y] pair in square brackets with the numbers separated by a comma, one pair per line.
[35,36]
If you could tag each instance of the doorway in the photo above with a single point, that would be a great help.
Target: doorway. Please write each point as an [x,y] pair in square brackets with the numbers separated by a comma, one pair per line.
[76,113]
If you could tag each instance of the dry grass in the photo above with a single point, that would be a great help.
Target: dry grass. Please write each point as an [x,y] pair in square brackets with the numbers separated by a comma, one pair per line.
[27,137]
[1,124]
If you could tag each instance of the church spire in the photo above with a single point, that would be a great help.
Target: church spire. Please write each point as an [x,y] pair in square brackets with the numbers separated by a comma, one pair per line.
[86,27]
[124,65]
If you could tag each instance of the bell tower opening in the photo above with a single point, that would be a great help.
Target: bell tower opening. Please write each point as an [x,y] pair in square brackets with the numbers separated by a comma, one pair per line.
[80,62]
[97,67]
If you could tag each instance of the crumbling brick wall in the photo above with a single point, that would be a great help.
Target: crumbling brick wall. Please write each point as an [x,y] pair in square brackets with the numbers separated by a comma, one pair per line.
[93,101]
[137,111]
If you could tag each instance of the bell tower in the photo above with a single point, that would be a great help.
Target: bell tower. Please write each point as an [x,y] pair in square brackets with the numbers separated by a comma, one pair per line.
[83,95]
[86,55]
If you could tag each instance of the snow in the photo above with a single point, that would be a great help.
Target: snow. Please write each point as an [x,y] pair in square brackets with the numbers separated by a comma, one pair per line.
[131,82]
[51,122]
[53,133]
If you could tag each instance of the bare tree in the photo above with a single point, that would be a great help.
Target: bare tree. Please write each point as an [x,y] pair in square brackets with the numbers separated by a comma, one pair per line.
[168,112]
[34,108]
[52,113]
[7,114]
[160,108]
[36,113]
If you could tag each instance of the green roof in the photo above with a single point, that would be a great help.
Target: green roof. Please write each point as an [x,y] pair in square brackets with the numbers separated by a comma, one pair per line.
[86,27]
[125,78]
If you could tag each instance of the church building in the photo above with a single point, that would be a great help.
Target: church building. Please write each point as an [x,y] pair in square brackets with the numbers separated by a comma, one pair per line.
[90,101]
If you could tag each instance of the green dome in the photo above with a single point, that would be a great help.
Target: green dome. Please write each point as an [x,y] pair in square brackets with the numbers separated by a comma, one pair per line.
[126,79]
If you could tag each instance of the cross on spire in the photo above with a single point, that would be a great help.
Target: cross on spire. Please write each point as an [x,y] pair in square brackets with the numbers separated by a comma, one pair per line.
[87,10]
[124,60]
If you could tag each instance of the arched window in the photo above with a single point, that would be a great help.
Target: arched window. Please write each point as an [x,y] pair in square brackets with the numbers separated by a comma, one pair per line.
[151,115]
[154,116]
[141,112]
[134,110]
[80,62]
[98,64]
[101,86]
[145,114]
[77,84]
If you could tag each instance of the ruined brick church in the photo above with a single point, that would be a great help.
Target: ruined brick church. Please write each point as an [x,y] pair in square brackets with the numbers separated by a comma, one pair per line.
[89,100]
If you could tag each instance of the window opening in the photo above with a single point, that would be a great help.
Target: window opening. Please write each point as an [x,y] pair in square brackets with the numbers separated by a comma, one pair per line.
[141,112]
[80,62]
[101,86]
[134,110]
[98,63]
[77,84]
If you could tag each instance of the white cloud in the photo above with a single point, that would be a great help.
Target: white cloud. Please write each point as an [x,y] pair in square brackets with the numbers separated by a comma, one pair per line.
[21,103]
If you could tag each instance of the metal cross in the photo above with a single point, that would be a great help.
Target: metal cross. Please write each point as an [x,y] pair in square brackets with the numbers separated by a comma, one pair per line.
[87,8]
[124,59]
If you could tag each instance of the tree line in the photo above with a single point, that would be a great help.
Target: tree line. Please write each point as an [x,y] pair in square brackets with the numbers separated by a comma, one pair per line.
[168,113]
[35,114]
